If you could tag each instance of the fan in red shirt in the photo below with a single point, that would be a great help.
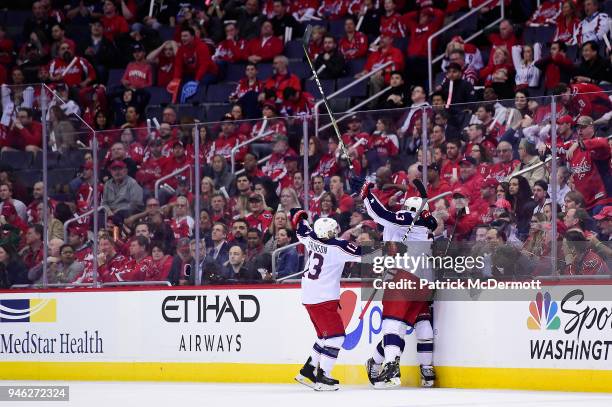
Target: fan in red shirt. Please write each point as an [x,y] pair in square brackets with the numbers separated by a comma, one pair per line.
[265,47]
[584,99]
[111,264]
[296,103]
[450,166]
[567,22]
[259,218]
[249,83]
[328,163]
[270,125]
[355,138]
[24,133]
[344,200]
[556,67]
[354,44]
[70,69]
[163,57]
[193,61]
[505,38]
[162,263]
[506,165]
[333,9]
[138,74]
[231,49]
[177,160]
[275,167]
[469,178]
[226,140]
[140,264]
[588,161]
[421,25]
[275,85]
[391,23]
[113,23]
[460,222]
[151,168]
[435,184]
[386,52]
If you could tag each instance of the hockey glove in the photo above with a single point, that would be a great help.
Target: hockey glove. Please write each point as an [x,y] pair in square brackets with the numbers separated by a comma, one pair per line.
[365,190]
[296,216]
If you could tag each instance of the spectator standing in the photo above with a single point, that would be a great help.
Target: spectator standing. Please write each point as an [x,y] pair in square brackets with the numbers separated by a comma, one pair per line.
[594,26]
[219,251]
[567,23]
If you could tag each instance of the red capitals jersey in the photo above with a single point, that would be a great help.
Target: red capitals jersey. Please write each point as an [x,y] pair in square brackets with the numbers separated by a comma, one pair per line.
[300,7]
[84,197]
[363,139]
[501,170]
[266,48]
[356,47]
[193,60]
[244,87]
[115,269]
[231,51]
[383,195]
[160,269]
[139,75]
[547,13]
[302,106]
[587,265]
[113,26]
[165,70]
[385,145]
[78,72]
[259,221]
[449,170]
[327,166]
[333,9]
[392,26]
[149,172]
[588,100]
[442,187]
[278,83]
[381,57]
[182,227]
[275,167]
[585,174]
[171,164]
[473,185]
[420,33]
[273,127]
[223,145]
[205,152]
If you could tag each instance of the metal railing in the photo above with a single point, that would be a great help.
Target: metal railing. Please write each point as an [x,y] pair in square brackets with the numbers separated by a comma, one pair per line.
[342,90]
[84,215]
[244,143]
[52,285]
[472,12]
[356,107]
[260,161]
[136,283]
[275,255]
[173,174]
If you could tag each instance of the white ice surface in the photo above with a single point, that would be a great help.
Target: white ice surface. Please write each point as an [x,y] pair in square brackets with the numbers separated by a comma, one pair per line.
[152,394]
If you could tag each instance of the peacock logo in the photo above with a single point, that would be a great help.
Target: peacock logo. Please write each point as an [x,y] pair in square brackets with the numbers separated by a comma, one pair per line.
[543,313]
[28,310]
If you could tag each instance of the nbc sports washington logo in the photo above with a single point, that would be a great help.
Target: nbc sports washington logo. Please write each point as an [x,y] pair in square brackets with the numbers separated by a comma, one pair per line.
[571,329]
[28,310]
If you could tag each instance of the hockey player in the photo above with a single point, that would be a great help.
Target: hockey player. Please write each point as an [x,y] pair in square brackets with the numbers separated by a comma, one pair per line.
[321,294]
[399,311]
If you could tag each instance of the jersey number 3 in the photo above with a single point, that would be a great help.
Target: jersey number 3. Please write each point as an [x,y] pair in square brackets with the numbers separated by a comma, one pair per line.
[316,261]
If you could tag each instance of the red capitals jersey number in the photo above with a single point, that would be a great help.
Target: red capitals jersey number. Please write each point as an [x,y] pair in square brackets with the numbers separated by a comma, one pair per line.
[317,265]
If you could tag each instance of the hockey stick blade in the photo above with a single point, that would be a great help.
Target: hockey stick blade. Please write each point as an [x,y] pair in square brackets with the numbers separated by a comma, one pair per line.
[306,36]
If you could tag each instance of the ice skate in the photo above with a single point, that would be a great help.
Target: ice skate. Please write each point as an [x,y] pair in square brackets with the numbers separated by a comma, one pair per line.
[324,383]
[307,375]
[389,376]
[372,370]
[428,376]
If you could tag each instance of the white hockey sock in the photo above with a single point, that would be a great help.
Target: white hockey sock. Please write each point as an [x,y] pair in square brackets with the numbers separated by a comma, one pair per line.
[379,353]
[330,353]
[424,337]
[315,353]
[393,338]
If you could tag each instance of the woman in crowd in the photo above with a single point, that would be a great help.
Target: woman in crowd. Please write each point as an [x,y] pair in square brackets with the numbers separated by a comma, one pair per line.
[12,269]
[522,204]
[524,57]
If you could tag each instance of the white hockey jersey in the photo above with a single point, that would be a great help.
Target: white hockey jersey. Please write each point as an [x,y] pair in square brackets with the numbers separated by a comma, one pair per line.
[323,269]
[396,224]
[593,28]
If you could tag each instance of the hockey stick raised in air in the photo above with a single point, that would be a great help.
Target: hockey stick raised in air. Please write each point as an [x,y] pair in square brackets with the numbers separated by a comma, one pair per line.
[305,43]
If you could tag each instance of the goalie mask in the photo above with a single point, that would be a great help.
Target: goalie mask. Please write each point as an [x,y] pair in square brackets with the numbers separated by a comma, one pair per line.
[326,228]
[413,204]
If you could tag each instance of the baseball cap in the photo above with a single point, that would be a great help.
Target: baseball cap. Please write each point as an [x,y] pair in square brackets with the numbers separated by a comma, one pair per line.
[137,47]
[118,164]
[181,179]
[605,213]
[78,230]
[88,165]
[461,191]
[178,143]
[490,183]
[468,161]
[432,166]
[227,117]
[8,209]
[270,105]
[584,121]
[565,119]
[354,118]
